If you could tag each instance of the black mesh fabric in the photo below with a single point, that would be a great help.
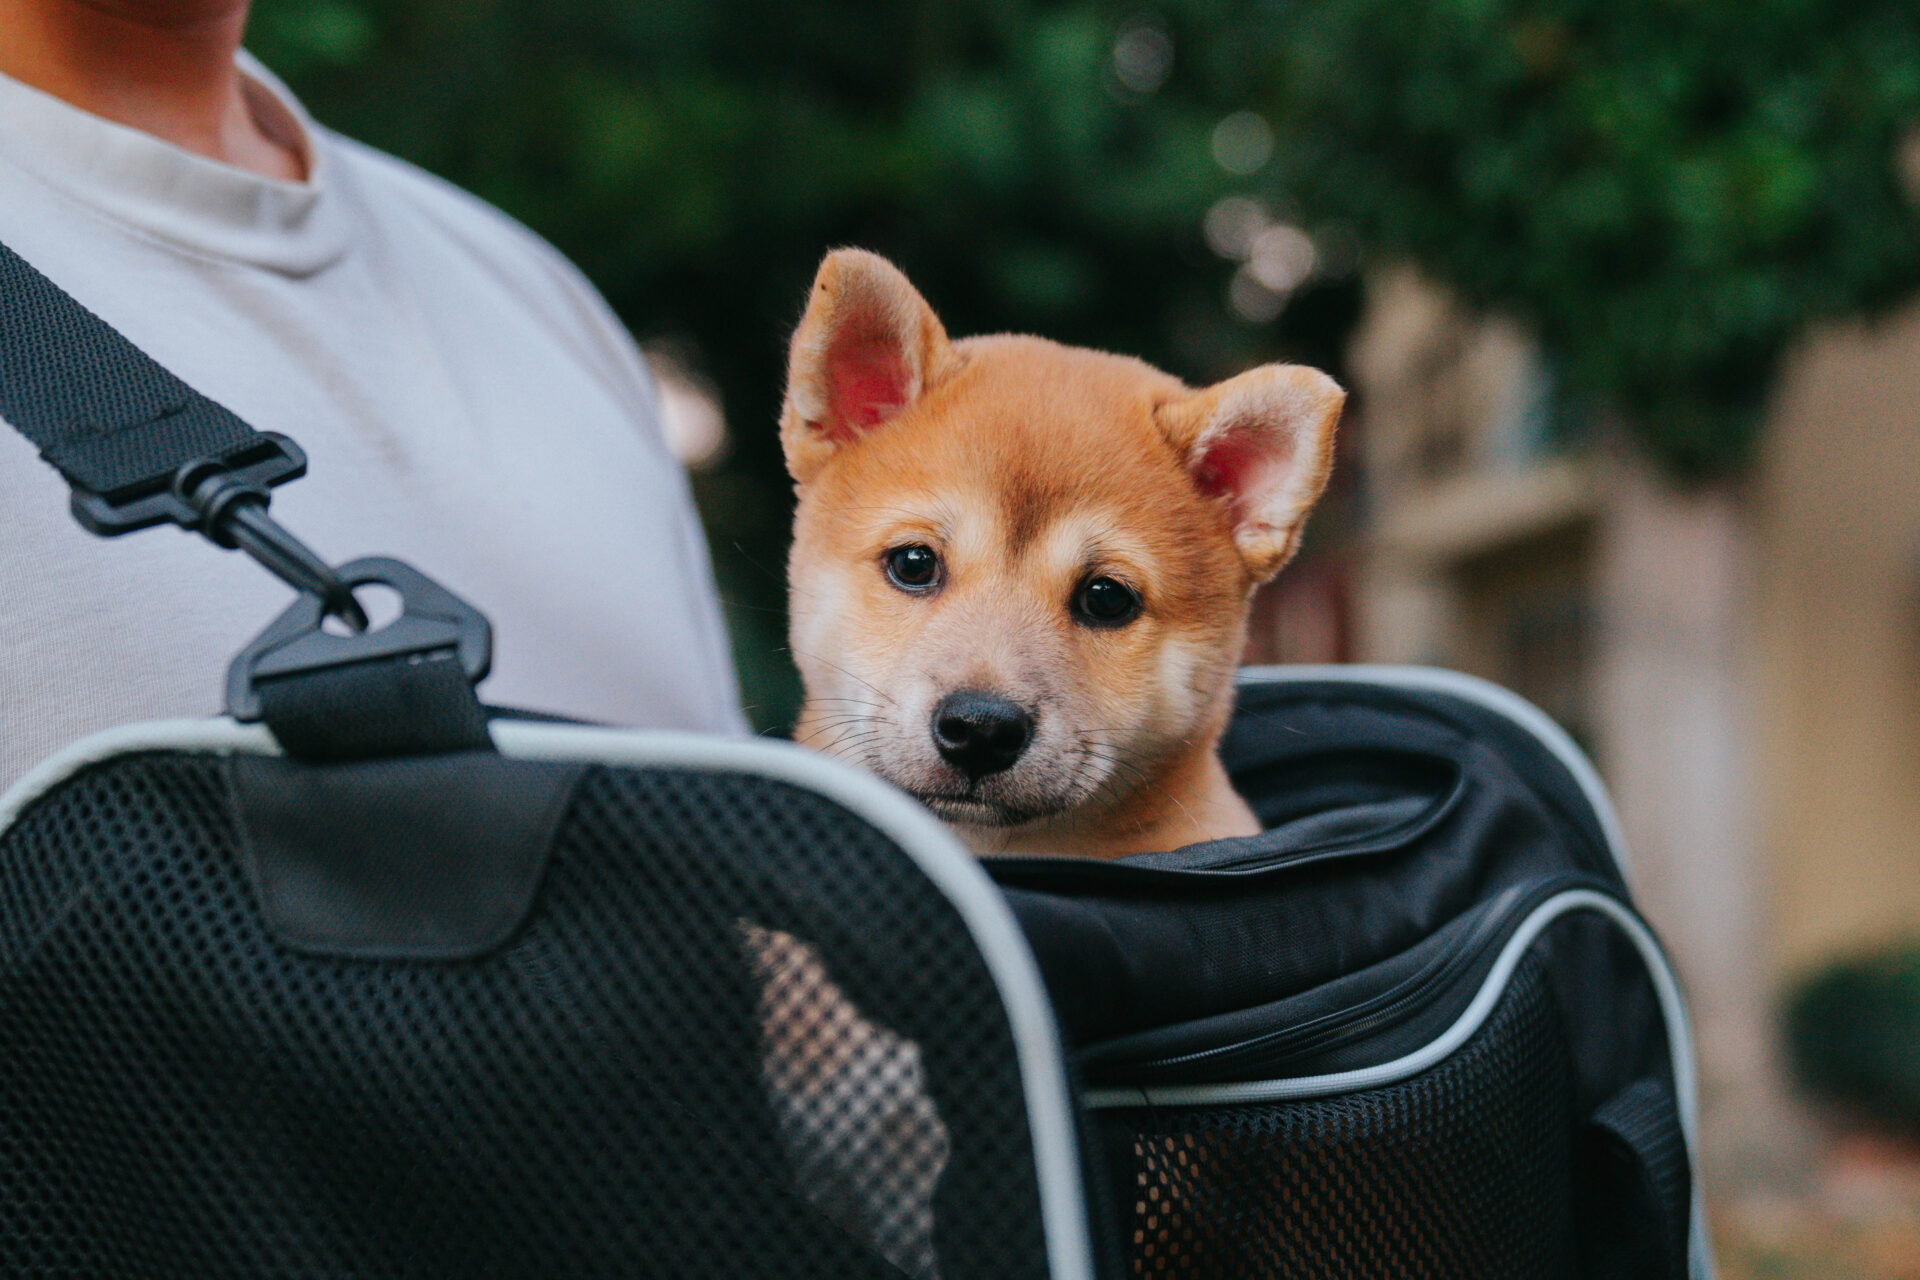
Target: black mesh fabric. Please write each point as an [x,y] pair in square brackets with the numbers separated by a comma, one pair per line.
[686,1065]
[1463,1172]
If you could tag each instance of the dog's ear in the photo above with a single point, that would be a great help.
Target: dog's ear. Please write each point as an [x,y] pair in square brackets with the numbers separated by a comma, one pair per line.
[1261,444]
[867,347]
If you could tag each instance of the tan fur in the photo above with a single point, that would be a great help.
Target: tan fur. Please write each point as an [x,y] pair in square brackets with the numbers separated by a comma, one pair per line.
[1030,466]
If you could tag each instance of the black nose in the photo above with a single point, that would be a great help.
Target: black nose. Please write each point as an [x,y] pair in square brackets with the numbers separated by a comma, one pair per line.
[980,733]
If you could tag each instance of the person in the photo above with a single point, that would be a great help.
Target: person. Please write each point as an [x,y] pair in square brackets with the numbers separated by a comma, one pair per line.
[468,403]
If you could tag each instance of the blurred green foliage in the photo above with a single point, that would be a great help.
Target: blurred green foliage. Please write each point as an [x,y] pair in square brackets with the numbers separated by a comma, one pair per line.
[1668,190]
[696,158]
[1853,1031]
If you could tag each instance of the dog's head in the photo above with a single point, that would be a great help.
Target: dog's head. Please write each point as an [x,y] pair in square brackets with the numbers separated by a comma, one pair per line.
[1020,571]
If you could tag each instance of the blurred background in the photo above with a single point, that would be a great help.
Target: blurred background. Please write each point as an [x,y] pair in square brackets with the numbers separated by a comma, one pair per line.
[1628,296]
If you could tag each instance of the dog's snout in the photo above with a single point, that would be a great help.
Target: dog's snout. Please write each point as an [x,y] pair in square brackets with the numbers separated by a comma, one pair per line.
[980,733]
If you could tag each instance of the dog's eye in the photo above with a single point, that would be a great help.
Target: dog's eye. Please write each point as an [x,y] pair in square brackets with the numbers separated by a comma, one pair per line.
[913,567]
[1106,602]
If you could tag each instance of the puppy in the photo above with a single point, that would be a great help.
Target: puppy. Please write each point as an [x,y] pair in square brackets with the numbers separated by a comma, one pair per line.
[1020,571]
[1019,577]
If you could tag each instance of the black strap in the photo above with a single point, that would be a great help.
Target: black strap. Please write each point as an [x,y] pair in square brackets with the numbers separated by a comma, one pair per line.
[140,447]
[1633,1184]
[434,857]
[415,704]
[102,411]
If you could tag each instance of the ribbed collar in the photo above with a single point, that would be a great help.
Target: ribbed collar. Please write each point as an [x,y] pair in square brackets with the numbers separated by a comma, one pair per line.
[173,195]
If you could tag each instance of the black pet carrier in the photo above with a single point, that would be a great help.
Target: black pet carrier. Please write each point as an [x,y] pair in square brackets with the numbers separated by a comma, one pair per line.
[365,981]
[1414,1029]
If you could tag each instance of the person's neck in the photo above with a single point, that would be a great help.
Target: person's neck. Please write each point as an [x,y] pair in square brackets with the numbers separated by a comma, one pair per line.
[164,67]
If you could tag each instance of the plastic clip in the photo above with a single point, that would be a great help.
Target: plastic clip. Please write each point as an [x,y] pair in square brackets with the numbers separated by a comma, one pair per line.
[232,511]
[227,502]
[432,620]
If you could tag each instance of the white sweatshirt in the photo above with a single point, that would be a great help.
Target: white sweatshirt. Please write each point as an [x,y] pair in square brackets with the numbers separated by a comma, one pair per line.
[467,402]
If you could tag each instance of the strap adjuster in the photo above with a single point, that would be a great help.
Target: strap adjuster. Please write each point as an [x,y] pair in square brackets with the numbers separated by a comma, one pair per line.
[273,459]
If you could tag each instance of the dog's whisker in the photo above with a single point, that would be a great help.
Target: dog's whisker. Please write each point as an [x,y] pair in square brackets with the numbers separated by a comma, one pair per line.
[843,750]
[848,733]
[836,732]
[781,578]
[1142,778]
[852,732]
[843,671]
[847,717]
[1123,770]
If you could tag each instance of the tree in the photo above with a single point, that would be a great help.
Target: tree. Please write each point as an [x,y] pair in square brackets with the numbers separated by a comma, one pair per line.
[1670,191]
[697,158]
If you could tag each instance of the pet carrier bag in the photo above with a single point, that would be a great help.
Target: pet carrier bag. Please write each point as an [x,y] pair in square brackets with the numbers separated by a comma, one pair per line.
[365,980]
[1414,1029]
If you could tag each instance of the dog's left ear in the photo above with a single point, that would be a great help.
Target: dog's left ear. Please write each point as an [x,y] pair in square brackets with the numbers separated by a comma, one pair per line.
[867,348]
[1262,444]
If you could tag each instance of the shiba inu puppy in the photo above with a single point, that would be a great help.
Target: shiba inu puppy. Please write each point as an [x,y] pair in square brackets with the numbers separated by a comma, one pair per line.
[1020,571]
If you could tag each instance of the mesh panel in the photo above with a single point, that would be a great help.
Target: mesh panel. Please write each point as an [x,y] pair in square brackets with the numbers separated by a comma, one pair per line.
[850,1097]
[1461,1172]
[640,1084]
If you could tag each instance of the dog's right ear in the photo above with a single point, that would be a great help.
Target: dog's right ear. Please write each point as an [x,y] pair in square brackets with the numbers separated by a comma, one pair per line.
[867,347]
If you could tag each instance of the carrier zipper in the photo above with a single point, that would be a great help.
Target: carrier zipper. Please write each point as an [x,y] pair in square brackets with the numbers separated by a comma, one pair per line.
[1348,1025]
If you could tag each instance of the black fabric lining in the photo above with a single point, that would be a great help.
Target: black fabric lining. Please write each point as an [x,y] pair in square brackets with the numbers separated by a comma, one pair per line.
[401,706]
[1485,742]
[1401,801]
[1362,1019]
[1149,941]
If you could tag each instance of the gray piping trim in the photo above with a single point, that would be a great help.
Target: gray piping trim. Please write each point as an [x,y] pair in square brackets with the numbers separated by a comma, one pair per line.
[1443,1045]
[1505,702]
[1482,693]
[1666,988]
[931,846]
[212,736]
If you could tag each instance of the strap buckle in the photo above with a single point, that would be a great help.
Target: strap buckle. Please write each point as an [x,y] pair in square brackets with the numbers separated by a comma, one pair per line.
[275,459]
[433,623]
[227,503]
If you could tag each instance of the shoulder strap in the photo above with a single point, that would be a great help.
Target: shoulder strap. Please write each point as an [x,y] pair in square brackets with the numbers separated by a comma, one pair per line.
[139,447]
[104,413]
